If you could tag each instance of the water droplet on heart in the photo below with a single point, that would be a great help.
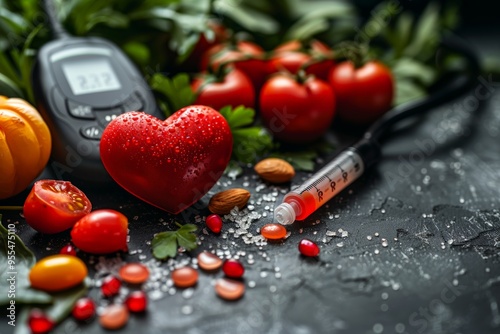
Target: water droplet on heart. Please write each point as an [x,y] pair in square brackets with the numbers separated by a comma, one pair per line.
[177,149]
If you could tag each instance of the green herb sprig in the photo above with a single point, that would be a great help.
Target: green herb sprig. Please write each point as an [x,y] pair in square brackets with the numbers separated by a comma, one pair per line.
[166,244]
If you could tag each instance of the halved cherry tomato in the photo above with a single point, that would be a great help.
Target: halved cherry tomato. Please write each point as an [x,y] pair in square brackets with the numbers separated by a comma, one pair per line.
[363,94]
[297,110]
[234,89]
[53,206]
[101,232]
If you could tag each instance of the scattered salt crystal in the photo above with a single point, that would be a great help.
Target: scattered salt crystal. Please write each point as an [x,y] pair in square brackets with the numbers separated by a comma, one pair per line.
[187,309]
[331,233]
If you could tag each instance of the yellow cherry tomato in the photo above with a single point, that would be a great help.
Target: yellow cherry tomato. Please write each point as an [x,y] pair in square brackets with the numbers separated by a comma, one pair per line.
[57,272]
[25,145]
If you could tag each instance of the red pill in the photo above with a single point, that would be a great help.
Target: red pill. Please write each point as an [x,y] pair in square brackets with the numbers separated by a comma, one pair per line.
[110,286]
[214,223]
[39,323]
[273,231]
[136,302]
[84,309]
[185,277]
[229,289]
[233,268]
[114,316]
[308,248]
[134,273]
[208,261]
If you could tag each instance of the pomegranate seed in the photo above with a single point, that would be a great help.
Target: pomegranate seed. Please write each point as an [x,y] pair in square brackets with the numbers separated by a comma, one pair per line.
[39,323]
[136,301]
[69,249]
[214,223]
[110,286]
[134,273]
[233,268]
[273,231]
[308,248]
[84,309]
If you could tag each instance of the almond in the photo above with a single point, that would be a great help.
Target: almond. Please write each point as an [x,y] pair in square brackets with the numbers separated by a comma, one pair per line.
[275,170]
[223,202]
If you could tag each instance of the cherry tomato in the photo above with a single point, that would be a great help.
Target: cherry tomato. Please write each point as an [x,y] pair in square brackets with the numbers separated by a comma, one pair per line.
[363,94]
[246,56]
[101,232]
[218,34]
[291,56]
[57,272]
[53,206]
[233,89]
[294,111]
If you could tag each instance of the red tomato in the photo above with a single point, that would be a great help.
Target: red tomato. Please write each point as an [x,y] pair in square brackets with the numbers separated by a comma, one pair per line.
[297,112]
[291,56]
[246,56]
[101,232]
[54,206]
[235,89]
[363,94]
[193,62]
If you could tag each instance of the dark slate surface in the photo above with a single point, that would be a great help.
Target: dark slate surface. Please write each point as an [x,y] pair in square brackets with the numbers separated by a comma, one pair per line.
[436,190]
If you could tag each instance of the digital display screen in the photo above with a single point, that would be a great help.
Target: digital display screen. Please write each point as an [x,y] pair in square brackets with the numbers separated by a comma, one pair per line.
[90,76]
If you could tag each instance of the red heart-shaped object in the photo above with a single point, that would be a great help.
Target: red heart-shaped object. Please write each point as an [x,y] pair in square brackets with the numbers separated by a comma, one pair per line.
[170,164]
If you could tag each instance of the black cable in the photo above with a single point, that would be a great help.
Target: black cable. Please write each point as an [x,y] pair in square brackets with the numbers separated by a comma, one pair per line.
[55,26]
[458,86]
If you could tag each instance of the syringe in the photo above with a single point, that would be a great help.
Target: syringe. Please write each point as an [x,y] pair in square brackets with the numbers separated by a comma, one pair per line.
[299,203]
[349,165]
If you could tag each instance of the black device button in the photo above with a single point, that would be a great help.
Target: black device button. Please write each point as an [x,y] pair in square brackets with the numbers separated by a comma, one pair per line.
[79,110]
[91,132]
[133,103]
[106,116]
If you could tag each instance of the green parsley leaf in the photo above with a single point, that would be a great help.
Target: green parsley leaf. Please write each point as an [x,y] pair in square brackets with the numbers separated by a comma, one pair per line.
[165,244]
[249,142]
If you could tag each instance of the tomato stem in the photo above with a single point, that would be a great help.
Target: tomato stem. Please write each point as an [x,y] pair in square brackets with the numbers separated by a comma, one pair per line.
[11,207]
[351,51]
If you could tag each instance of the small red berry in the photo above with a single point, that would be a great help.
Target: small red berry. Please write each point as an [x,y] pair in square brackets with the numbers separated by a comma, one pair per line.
[110,286]
[39,323]
[214,223]
[308,248]
[233,268]
[69,249]
[136,301]
[84,309]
